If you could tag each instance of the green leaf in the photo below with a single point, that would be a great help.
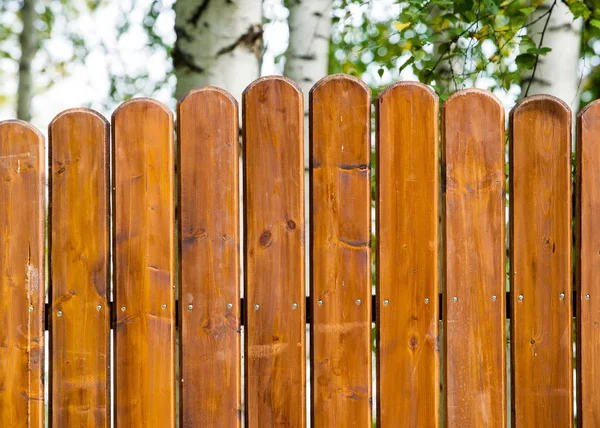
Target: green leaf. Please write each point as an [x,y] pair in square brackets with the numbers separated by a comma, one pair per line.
[527,10]
[408,62]
[526,60]
[380,72]
[401,25]
[595,23]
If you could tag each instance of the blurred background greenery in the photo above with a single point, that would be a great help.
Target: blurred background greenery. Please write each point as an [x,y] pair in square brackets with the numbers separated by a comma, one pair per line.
[56,54]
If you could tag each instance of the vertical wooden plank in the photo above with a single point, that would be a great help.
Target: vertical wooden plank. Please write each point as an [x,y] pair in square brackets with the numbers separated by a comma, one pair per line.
[79,268]
[474,261]
[144,264]
[209,244]
[274,253]
[541,339]
[340,213]
[588,266]
[407,256]
[22,172]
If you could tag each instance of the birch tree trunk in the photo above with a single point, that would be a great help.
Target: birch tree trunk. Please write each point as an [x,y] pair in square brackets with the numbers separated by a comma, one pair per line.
[28,42]
[307,58]
[557,73]
[218,43]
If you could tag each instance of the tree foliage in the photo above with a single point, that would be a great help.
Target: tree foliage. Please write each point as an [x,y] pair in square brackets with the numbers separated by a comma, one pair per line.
[448,44]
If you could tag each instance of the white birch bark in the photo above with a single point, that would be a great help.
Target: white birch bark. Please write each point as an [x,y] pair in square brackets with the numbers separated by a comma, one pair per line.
[28,42]
[557,72]
[307,58]
[218,43]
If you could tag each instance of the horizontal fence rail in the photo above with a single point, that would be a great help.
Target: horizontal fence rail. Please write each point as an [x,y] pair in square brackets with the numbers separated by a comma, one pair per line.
[176,291]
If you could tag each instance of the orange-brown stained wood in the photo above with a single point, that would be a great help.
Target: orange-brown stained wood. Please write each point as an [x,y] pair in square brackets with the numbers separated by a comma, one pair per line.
[274,254]
[474,256]
[541,324]
[144,265]
[209,243]
[407,257]
[22,171]
[79,269]
[340,252]
[588,266]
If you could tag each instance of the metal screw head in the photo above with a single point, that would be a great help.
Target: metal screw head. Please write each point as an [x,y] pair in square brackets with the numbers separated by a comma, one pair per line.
[320,302]
[59,313]
[294,305]
[494,298]
[426,300]
[31,309]
[520,297]
[256,307]
[358,301]
[587,297]
[455,299]
[229,305]
[190,307]
[164,306]
[99,307]
[386,302]
[123,308]
[561,296]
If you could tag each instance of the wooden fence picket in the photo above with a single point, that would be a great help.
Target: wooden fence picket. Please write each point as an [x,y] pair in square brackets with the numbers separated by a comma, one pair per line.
[340,209]
[79,245]
[407,257]
[274,254]
[144,248]
[541,273]
[22,175]
[209,244]
[588,266]
[474,261]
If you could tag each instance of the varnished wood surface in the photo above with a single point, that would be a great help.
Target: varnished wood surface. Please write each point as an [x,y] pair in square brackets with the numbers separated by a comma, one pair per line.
[474,256]
[541,324]
[407,257]
[22,171]
[588,266]
[79,269]
[210,269]
[274,254]
[340,252]
[144,264]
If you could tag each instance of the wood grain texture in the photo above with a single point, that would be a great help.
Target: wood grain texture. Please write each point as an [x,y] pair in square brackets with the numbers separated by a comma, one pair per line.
[588,266]
[340,181]
[274,254]
[79,269]
[22,175]
[144,264]
[541,325]
[474,268]
[210,268]
[407,257]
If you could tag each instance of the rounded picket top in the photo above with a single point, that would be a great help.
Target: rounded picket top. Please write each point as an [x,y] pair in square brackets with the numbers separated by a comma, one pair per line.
[262,83]
[18,126]
[406,88]
[548,103]
[470,94]
[141,103]
[198,94]
[77,113]
[589,109]
[339,79]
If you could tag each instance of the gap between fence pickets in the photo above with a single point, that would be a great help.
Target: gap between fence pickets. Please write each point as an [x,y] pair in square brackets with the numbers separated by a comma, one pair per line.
[308,308]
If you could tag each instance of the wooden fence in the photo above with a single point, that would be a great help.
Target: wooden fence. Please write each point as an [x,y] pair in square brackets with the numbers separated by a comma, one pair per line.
[150,253]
